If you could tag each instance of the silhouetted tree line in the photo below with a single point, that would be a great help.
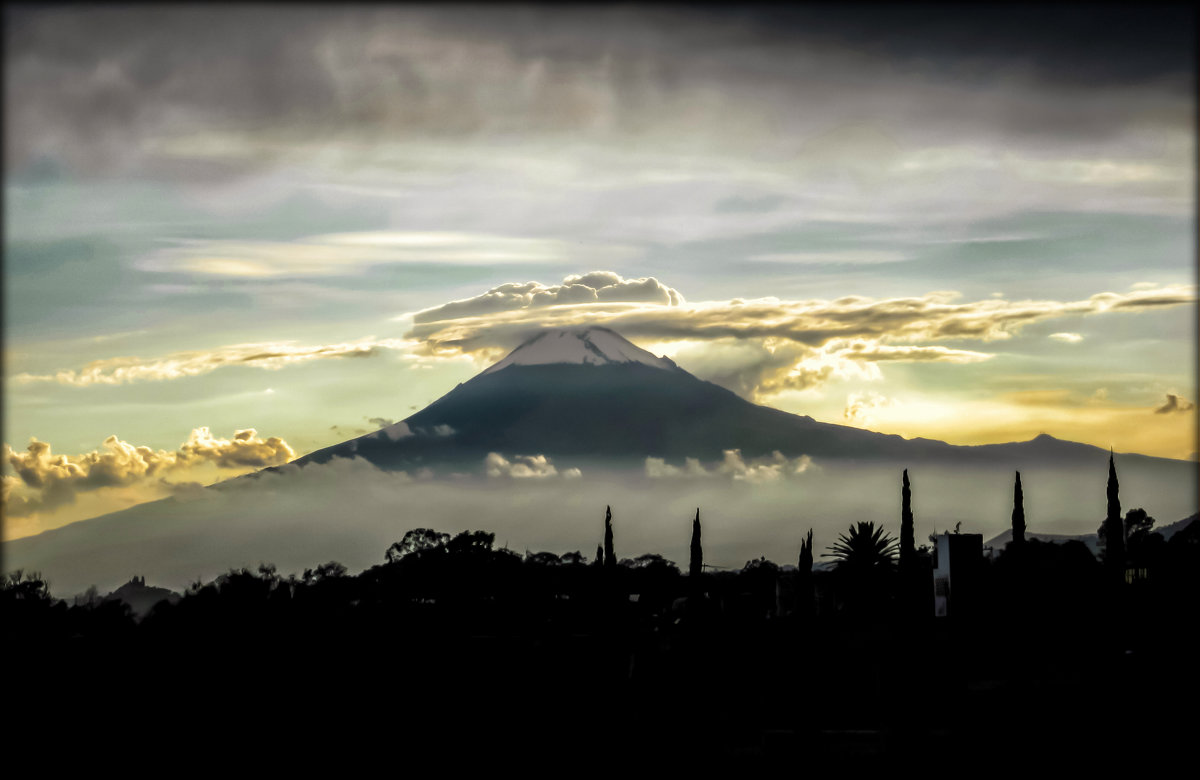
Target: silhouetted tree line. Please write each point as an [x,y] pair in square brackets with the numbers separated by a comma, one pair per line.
[452,629]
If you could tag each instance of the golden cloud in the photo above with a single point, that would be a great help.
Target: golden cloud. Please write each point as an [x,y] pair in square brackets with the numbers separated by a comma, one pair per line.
[502,316]
[859,406]
[44,481]
[781,345]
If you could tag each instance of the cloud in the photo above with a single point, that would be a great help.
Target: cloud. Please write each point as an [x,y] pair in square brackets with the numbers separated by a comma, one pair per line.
[270,355]
[44,481]
[491,319]
[148,85]
[245,449]
[1175,403]
[758,348]
[393,430]
[733,466]
[849,257]
[342,253]
[597,287]
[860,405]
[555,128]
[1070,338]
[764,346]
[658,468]
[399,430]
[525,467]
[863,350]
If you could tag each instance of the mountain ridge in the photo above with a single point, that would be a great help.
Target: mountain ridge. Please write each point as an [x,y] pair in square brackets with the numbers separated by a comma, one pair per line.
[558,392]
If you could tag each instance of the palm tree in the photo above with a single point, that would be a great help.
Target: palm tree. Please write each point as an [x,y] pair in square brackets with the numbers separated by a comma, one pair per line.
[866,561]
[865,548]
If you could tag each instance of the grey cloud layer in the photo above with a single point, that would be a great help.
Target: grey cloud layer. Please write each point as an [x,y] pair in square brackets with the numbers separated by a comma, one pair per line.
[276,355]
[242,88]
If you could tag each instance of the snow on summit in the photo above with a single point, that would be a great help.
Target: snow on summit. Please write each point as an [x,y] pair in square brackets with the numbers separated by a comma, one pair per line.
[597,346]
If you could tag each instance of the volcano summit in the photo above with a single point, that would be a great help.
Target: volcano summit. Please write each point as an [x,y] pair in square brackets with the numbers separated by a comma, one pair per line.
[582,346]
[591,396]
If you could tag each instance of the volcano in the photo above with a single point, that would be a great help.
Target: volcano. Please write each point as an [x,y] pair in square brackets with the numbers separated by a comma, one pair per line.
[588,395]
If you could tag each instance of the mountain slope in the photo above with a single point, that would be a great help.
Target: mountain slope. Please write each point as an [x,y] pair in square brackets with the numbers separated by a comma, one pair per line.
[589,394]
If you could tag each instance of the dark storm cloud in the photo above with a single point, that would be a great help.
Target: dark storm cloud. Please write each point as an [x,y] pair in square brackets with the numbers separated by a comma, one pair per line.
[1078,44]
[99,89]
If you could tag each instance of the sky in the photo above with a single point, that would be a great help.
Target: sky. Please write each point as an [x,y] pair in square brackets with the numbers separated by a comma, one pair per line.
[234,235]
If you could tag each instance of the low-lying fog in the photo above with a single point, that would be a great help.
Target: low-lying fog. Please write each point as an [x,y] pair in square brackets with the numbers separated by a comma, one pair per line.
[350,511]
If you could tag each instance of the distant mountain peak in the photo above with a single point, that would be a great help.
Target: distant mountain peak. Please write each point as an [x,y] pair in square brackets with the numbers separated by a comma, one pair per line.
[592,345]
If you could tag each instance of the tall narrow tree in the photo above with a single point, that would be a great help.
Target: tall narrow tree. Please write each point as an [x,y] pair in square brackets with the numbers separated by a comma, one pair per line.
[1018,515]
[804,580]
[610,560]
[806,554]
[1114,528]
[696,566]
[908,549]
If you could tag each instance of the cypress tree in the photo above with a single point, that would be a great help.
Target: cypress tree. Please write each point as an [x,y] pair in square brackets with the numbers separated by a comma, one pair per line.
[806,555]
[804,580]
[1018,515]
[610,560]
[908,550]
[599,555]
[1114,528]
[697,563]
